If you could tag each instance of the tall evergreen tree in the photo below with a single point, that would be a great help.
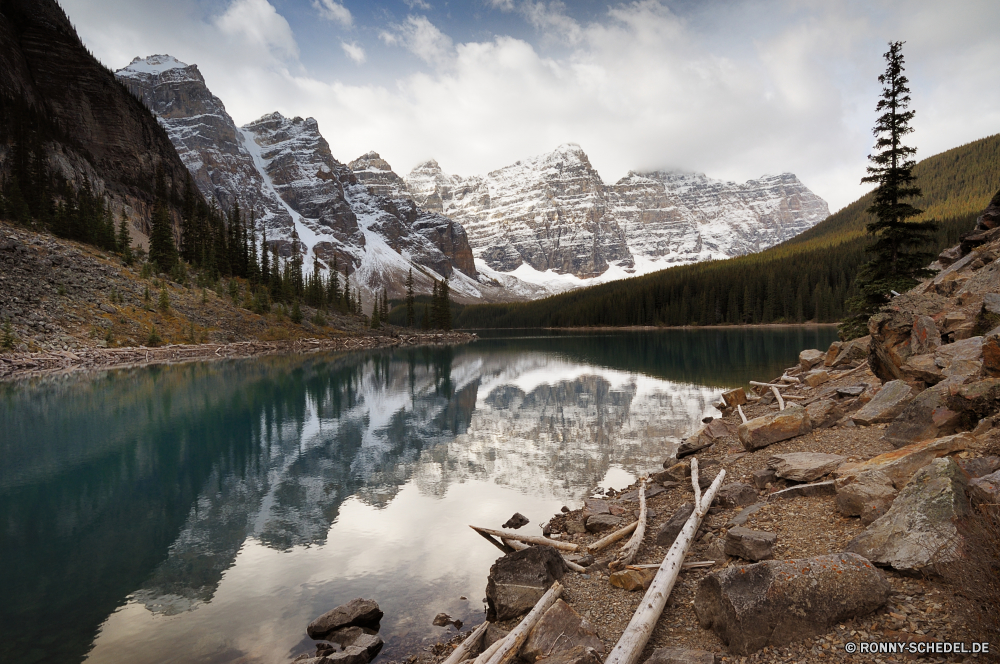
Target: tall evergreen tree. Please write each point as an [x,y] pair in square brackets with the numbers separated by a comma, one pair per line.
[162,250]
[898,261]
[444,292]
[411,314]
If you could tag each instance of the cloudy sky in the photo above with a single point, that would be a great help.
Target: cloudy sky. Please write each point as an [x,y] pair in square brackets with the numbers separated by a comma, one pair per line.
[732,88]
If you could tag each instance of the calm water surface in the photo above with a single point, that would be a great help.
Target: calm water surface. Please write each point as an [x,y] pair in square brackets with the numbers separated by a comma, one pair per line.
[207,512]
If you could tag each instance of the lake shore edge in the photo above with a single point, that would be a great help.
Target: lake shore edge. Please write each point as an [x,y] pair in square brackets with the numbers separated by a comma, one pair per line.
[23,365]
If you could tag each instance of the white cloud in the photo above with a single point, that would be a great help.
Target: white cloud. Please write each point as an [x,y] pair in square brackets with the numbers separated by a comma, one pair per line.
[418,4]
[258,23]
[334,11]
[422,38]
[763,86]
[354,52]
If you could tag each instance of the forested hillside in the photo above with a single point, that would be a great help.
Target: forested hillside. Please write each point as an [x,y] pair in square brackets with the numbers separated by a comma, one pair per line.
[804,279]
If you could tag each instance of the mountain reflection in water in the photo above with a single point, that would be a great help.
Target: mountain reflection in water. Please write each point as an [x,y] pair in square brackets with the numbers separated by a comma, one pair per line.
[207,512]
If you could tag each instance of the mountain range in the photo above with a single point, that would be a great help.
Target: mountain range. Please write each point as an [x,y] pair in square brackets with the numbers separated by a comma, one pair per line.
[540,226]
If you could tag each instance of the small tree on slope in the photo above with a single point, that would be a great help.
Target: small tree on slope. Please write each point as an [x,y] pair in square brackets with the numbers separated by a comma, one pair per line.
[898,263]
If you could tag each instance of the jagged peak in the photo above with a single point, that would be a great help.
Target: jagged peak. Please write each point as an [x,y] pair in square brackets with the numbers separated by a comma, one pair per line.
[430,166]
[370,161]
[152,64]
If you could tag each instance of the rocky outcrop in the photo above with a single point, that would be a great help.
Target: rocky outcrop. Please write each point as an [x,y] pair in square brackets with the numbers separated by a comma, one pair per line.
[901,464]
[887,404]
[553,212]
[919,532]
[867,494]
[776,602]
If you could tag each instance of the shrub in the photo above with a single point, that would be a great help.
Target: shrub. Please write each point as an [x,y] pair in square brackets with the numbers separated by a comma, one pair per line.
[296,315]
[154,337]
[8,340]
[163,303]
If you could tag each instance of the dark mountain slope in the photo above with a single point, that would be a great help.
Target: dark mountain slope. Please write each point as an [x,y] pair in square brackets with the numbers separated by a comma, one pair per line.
[56,94]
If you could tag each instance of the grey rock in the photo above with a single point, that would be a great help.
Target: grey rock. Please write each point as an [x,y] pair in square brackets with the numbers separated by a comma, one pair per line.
[519,579]
[991,303]
[560,629]
[985,490]
[775,427]
[824,413]
[804,466]
[775,602]
[750,544]
[763,476]
[599,523]
[826,488]
[868,495]
[575,655]
[810,358]
[652,489]
[358,612]
[516,521]
[668,531]
[887,404]
[851,390]
[927,416]
[350,655]
[736,494]
[901,464]
[979,466]
[744,514]
[919,533]
[681,656]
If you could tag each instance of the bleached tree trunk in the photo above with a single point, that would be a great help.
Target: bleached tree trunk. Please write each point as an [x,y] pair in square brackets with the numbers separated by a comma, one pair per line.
[530,539]
[628,551]
[517,636]
[465,648]
[612,538]
[636,635]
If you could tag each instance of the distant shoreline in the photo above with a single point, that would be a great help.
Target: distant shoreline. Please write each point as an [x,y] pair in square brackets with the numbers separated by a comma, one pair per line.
[607,328]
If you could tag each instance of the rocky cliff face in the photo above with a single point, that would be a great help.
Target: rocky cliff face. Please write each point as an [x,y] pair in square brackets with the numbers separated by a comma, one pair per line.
[283,170]
[107,137]
[554,212]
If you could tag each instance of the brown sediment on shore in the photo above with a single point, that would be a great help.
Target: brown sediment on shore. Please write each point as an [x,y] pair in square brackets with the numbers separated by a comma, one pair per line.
[14,366]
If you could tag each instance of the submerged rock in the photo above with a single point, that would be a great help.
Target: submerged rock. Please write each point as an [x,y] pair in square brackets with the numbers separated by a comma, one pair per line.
[358,612]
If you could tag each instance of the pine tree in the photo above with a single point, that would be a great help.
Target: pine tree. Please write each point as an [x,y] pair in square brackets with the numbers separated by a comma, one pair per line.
[411,314]
[161,239]
[124,240]
[444,294]
[435,314]
[897,263]
[384,306]
[376,317]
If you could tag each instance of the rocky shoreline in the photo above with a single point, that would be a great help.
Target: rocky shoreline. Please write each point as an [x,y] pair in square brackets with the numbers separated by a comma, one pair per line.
[859,507]
[14,366]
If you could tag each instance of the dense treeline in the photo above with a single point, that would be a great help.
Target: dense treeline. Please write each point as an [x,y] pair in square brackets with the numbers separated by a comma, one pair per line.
[807,278]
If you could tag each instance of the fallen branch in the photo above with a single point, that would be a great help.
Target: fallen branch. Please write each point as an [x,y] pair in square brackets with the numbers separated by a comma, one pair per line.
[529,539]
[697,564]
[794,397]
[503,547]
[612,538]
[489,652]
[631,547]
[789,379]
[757,384]
[466,647]
[742,416]
[777,394]
[636,635]
[515,639]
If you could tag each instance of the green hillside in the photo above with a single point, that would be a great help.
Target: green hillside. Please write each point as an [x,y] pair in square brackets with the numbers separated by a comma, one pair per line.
[803,279]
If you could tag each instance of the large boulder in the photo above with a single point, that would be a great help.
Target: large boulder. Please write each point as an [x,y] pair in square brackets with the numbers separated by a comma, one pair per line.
[810,490]
[632,579]
[360,637]
[849,353]
[600,523]
[887,404]
[901,464]
[518,580]
[358,612]
[868,495]
[749,544]
[734,398]
[924,336]
[804,466]
[892,332]
[919,532]
[929,415]
[775,602]
[774,427]
[991,353]
[559,630]
[681,656]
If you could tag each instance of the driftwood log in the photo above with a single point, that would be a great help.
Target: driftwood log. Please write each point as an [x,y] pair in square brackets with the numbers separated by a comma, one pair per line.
[466,647]
[511,644]
[521,546]
[777,395]
[528,539]
[631,547]
[633,640]
[612,538]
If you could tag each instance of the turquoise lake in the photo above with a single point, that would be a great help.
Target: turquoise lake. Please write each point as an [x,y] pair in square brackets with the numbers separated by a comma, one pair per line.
[206,512]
